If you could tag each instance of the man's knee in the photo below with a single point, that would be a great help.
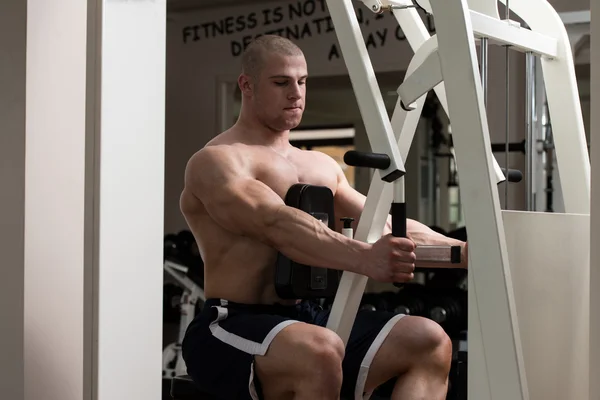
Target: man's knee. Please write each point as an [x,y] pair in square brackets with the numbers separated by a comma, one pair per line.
[428,342]
[325,351]
[303,357]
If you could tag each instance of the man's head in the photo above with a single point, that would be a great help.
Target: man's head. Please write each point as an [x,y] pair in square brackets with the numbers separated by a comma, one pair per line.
[273,82]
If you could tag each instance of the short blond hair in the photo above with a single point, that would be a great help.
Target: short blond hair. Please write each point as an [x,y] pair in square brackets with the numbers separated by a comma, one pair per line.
[253,56]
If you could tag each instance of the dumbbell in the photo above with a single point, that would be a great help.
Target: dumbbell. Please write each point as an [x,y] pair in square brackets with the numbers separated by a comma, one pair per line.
[411,299]
[377,301]
[448,307]
[187,243]
[442,278]
[170,247]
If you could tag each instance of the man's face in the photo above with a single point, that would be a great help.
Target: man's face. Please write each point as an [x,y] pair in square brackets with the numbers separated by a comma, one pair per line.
[279,93]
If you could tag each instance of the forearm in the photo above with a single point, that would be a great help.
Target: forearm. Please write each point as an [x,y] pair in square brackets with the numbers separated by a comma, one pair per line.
[306,240]
[422,235]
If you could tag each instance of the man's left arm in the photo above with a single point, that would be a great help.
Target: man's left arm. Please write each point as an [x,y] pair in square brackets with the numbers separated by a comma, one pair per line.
[350,203]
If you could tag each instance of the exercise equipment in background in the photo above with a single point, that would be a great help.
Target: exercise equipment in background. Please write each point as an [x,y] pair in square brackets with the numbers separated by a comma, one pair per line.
[183,294]
[445,305]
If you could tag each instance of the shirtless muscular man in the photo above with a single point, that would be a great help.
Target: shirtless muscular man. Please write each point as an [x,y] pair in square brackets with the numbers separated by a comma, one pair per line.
[247,343]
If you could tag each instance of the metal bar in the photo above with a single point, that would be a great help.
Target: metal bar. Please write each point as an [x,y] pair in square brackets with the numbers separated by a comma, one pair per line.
[512,147]
[507,116]
[564,102]
[422,81]
[483,68]
[495,328]
[417,35]
[512,34]
[506,155]
[530,105]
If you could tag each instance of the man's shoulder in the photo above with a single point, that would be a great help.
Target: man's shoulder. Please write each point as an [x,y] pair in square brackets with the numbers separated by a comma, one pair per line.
[321,159]
[212,155]
[223,138]
[210,166]
[218,158]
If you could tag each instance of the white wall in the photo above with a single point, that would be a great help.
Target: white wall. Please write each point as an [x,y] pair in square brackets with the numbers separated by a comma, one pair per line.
[130,218]
[13,31]
[55,203]
[595,212]
[570,5]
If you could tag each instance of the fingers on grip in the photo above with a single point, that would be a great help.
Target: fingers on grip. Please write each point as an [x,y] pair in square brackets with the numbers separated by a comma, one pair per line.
[400,264]
[403,243]
[403,277]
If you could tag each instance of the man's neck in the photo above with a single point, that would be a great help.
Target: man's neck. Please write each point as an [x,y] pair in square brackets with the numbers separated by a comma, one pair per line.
[258,134]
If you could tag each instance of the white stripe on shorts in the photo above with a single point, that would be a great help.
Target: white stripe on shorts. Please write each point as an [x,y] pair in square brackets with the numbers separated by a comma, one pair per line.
[368,359]
[243,344]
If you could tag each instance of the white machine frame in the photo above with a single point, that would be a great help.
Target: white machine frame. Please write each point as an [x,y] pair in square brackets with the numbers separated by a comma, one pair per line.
[192,293]
[447,63]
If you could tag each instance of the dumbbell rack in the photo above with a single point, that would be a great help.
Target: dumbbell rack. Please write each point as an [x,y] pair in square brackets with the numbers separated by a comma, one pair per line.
[447,63]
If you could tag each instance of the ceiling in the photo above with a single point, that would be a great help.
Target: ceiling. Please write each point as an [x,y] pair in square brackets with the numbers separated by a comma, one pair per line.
[184,5]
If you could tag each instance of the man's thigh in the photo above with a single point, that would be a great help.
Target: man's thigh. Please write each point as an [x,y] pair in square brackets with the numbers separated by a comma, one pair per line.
[220,348]
[303,359]
[370,330]
[294,352]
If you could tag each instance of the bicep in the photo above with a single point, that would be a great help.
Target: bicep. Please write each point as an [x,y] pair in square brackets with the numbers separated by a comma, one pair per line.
[243,206]
[234,199]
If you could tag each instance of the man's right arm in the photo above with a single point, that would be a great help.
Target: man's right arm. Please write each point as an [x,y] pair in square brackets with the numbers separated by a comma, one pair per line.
[245,206]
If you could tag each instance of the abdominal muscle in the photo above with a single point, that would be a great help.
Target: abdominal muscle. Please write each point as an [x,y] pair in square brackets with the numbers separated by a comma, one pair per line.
[236,268]
[244,274]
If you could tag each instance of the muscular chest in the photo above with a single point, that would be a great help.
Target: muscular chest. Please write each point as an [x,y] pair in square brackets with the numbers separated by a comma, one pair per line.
[280,173]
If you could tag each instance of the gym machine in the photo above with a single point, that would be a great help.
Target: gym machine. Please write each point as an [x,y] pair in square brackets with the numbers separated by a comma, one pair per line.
[192,295]
[182,264]
[505,329]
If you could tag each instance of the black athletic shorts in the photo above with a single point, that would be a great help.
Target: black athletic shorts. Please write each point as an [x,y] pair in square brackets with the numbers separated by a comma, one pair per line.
[220,345]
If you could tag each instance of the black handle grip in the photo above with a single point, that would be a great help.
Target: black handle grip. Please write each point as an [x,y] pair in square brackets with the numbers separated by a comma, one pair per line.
[512,147]
[399,219]
[513,175]
[398,211]
[369,160]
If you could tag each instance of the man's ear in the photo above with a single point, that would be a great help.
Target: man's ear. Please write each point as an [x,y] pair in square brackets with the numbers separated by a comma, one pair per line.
[245,84]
